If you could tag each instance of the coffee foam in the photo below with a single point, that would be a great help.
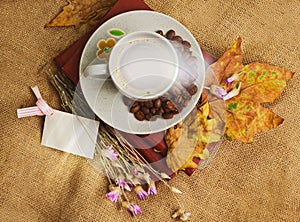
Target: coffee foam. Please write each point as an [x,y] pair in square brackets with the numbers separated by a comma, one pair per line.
[146,66]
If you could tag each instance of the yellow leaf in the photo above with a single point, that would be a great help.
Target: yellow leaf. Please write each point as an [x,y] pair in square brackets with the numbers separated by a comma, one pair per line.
[188,139]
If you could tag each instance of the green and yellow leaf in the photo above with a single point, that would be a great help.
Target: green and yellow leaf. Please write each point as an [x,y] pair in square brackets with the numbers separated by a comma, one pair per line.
[260,83]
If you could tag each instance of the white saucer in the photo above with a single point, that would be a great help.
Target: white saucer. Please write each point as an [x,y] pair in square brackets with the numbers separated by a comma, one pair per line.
[102,96]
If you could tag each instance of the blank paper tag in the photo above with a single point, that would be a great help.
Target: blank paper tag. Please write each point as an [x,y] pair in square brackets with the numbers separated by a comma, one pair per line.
[70,133]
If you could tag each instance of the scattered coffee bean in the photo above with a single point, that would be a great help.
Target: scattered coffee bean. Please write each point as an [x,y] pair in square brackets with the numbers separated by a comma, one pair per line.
[186,95]
[186,84]
[153,110]
[139,115]
[149,103]
[135,107]
[170,106]
[157,103]
[178,100]
[159,112]
[175,90]
[145,110]
[159,32]
[192,89]
[167,115]
[185,103]
[164,98]
[148,117]
[186,43]
[170,34]
[178,38]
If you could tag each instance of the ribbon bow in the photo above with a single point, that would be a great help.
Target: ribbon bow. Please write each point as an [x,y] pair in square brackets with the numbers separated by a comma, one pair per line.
[41,108]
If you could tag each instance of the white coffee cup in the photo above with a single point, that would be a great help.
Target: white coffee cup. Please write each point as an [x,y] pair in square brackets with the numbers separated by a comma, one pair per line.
[142,65]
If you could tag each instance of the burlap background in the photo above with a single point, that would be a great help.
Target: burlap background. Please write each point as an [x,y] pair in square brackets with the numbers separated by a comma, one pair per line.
[257,182]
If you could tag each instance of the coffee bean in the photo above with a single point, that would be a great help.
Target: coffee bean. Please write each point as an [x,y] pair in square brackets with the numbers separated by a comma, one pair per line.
[166,96]
[149,104]
[145,110]
[186,43]
[139,115]
[169,105]
[186,84]
[178,38]
[170,34]
[160,111]
[178,99]
[166,110]
[163,98]
[185,103]
[167,115]
[186,95]
[159,32]
[175,91]
[192,89]
[148,117]
[157,103]
[135,108]
[153,110]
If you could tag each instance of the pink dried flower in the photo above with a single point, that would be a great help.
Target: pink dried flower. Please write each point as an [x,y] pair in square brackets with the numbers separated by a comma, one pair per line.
[142,194]
[110,153]
[152,189]
[134,209]
[235,91]
[114,194]
[121,183]
[217,91]
[234,77]
[135,172]
[129,185]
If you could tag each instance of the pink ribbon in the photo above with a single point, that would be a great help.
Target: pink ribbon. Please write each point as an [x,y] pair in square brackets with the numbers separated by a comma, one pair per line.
[41,108]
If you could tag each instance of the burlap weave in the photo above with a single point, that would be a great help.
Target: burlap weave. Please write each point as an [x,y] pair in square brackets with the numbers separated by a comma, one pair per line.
[257,182]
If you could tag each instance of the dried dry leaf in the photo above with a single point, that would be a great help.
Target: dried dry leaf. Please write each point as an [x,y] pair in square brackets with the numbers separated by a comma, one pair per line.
[78,12]
[261,82]
[189,138]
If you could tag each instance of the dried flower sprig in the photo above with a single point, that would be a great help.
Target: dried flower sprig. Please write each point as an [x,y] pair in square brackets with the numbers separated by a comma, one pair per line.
[182,215]
[125,168]
[221,93]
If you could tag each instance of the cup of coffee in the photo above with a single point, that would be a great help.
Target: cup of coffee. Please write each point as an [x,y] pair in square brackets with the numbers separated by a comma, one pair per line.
[142,65]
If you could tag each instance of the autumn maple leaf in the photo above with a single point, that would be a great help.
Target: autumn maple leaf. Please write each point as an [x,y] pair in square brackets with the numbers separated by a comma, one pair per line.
[78,12]
[259,83]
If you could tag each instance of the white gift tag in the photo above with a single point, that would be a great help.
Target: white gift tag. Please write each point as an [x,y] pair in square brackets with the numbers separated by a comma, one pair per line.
[70,133]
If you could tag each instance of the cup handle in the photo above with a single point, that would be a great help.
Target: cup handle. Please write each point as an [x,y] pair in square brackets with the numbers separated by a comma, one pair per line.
[97,71]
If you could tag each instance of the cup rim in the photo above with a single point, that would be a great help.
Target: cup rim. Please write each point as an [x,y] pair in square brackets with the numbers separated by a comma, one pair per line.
[144,97]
